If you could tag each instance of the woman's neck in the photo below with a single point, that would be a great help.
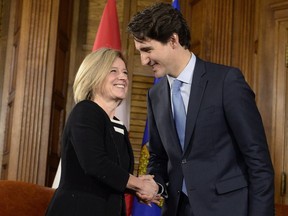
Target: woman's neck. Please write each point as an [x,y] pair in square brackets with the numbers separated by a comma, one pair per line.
[108,106]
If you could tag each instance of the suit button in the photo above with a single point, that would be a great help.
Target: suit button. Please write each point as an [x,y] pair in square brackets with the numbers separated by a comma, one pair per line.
[184,161]
[178,192]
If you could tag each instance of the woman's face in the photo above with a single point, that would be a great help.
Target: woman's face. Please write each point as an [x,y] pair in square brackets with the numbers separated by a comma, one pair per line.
[115,85]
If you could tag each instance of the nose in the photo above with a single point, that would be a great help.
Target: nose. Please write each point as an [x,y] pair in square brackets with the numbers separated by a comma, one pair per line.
[123,76]
[144,59]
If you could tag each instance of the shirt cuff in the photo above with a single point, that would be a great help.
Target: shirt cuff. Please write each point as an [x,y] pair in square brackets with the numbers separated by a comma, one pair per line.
[161,189]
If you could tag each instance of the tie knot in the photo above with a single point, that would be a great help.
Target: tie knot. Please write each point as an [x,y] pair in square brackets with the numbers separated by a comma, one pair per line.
[176,85]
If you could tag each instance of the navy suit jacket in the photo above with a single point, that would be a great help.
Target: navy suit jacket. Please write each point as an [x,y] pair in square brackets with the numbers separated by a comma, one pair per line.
[226,162]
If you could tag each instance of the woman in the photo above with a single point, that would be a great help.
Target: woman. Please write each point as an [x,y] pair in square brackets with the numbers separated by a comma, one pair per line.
[97,157]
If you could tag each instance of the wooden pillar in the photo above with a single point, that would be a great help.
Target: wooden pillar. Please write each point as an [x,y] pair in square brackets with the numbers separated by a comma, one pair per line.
[27,100]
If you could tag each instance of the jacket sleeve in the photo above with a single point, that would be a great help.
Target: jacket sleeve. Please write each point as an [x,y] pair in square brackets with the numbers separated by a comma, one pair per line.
[158,160]
[246,124]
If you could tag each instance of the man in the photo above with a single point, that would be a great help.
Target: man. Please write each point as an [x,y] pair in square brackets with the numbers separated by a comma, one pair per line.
[223,166]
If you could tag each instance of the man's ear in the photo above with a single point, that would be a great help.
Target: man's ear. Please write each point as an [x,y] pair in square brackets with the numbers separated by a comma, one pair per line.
[174,40]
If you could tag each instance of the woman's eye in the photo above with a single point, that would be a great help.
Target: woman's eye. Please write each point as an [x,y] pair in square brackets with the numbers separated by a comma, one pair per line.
[113,71]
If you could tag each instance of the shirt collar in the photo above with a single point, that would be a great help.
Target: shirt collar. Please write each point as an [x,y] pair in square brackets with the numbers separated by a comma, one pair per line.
[187,74]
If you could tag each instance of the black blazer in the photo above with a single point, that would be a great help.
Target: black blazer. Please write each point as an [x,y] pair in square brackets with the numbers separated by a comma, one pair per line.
[226,162]
[92,180]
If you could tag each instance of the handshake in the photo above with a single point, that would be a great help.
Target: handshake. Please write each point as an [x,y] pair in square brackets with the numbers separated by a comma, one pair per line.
[146,188]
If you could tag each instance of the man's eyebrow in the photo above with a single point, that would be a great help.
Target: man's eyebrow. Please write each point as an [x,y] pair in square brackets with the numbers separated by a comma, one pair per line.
[145,49]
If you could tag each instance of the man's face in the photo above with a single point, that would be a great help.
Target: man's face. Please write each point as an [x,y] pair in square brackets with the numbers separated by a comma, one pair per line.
[156,55]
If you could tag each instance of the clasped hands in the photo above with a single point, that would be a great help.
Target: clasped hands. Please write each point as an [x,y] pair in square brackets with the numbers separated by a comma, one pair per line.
[148,192]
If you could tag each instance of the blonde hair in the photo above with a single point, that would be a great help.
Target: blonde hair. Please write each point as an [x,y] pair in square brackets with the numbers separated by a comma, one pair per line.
[92,72]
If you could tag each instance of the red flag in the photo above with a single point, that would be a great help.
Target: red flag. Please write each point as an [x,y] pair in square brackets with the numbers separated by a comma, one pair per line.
[108,34]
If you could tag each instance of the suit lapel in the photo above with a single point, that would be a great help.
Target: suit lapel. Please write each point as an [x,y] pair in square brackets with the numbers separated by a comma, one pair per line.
[163,115]
[198,86]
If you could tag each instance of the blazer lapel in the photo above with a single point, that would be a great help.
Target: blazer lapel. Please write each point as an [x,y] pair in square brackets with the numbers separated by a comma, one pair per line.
[198,86]
[130,152]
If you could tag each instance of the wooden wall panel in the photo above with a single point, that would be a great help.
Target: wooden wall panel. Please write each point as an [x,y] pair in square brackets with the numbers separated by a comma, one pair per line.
[26,94]
[244,44]
[220,33]
[196,12]
[4,27]
[9,87]
[60,84]
[279,115]
[34,88]
[4,22]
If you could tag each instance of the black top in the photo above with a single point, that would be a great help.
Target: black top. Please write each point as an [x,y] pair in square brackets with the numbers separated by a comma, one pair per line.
[96,161]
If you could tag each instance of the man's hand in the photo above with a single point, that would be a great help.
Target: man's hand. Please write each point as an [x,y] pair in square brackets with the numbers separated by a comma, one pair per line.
[148,192]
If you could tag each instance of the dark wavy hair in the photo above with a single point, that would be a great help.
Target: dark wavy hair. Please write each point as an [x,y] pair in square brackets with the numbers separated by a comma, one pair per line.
[159,22]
